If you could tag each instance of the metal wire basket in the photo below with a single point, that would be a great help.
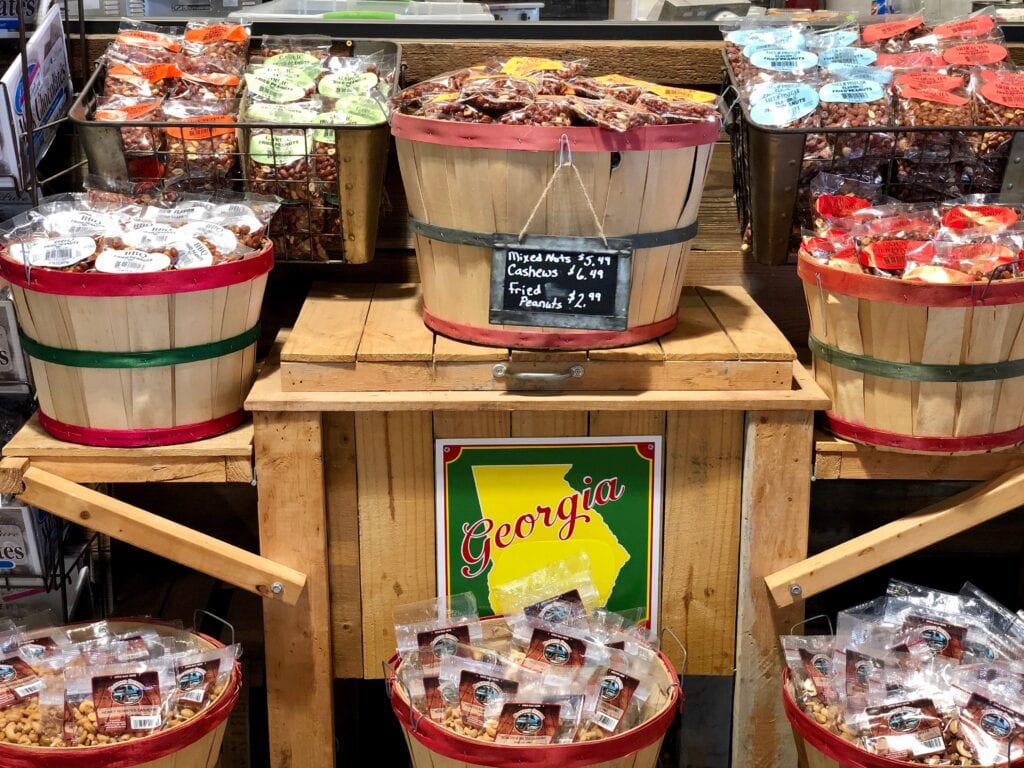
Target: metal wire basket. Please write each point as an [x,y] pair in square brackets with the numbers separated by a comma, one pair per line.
[772,169]
[332,191]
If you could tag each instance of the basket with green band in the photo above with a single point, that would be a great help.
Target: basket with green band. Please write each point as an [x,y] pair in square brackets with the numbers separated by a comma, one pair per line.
[141,359]
[918,367]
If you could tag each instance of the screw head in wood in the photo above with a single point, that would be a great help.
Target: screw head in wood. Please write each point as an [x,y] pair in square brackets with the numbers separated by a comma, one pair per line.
[795,590]
[277,588]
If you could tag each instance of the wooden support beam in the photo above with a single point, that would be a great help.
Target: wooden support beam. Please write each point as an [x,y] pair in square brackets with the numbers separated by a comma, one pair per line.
[897,539]
[152,533]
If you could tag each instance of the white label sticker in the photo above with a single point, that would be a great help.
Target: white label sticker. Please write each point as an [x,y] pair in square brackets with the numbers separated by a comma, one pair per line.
[852,92]
[148,235]
[232,209]
[190,211]
[779,59]
[848,72]
[782,103]
[27,690]
[198,696]
[790,36]
[59,253]
[124,262]
[222,239]
[837,38]
[858,57]
[77,223]
[140,723]
[192,254]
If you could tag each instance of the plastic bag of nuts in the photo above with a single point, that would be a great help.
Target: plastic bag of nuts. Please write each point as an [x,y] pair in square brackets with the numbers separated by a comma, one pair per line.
[772,63]
[279,159]
[546,110]
[893,36]
[117,702]
[135,139]
[313,48]
[203,141]
[741,42]
[208,81]
[495,94]
[927,99]
[279,85]
[606,87]
[856,104]
[612,115]
[296,230]
[999,100]
[123,78]
[789,105]
[216,40]
[964,58]
[142,43]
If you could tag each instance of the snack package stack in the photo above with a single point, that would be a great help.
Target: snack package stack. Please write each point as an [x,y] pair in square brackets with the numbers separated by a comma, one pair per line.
[896,73]
[918,676]
[86,232]
[557,669]
[524,90]
[296,81]
[100,683]
[855,228]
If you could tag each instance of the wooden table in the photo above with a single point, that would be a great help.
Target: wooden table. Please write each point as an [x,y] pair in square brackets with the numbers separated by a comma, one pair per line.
[346,492]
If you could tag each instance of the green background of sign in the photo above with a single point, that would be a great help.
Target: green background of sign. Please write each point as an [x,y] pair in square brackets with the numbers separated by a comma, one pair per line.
[629,518]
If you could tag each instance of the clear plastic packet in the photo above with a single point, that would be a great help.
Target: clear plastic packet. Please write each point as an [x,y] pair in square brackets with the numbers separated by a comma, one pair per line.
[980,25]
[741,35]
[677,110]
[280,159]
[775,63]
[538,721]
[352,76]
[545,110]
[995,679]
[383,65]
[835,197]
[208,80]
[139,139]
[304,50]
[278,85]
[117,702]
[537,68]
[142,43]
[997,617]
[910,61]
[944,632]
[432,629]
[150,80]
[482,688]
[412,99]
[846,57]
[999,101]
[427,696]
[884,238]
[19,681]
[446,106]
[988,725]
[978,214]
[893,35]
[557,649]
[200,678]
[50,713]
[203,139]
[922,104]
[809,658]
[969,259]
[840,37]
[620,689]
[936,599]
[606,87]
[833,248]
[41,644]
[217,40]
[905,729]
[247,216]
[554,579]
[789,105]
[856,103]
[963,58]
[497,94]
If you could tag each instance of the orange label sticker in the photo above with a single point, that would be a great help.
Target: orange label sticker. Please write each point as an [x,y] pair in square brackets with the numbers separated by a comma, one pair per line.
[928,80]
[835,207]
[212,78]
[910,60]
[990,218]
[978,26]
[195,133]
[683,94]
[214,33]
[888,29]
[988,253]
[975,54]
[622,80]
[518,66]
[1007,89]
[127,111]
[936,95]
[142,39]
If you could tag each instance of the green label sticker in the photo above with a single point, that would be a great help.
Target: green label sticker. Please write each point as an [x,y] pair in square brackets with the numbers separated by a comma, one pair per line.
[278,149]
[350,110]
[278,84]
[280,113]
[306,63]
[341,84]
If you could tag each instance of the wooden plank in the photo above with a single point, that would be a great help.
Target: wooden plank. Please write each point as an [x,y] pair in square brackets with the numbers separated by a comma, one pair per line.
[773,533]
[543,424]
[450,350]
[127,470]
[699,335]
[160,536]
[703,478]
[394,328]
[339,439]
[627,423]
[455,424]
[329,325]
[292,514]
[897,539]
[396,515]
[651,351]
[749,328]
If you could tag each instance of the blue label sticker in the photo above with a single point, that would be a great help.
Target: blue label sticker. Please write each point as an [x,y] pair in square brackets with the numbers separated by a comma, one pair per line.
[782,103]
[779,59]
[837,38]
[848,72]
[852,92]
[857,57]
[788,36]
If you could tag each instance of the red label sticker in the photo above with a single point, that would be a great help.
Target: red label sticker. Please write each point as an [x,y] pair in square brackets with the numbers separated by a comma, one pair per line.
[127,111]
[911,60]
[933,94]
[985,253]
[231,32]
[975,54]
[977,26]
[990,218]
[143,39]
[835,207]
[888,29]
[189,133]
[929,80]
[1007,89]
[891,255]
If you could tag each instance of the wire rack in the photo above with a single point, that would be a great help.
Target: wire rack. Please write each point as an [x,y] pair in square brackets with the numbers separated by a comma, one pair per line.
[773,168]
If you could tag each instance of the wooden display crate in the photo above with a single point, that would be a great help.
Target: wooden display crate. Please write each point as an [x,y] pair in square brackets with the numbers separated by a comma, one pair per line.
[345,431]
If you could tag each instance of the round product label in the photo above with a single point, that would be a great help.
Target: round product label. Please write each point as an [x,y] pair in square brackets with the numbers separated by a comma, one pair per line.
[837,38]
[784,59]
[221,238]
[225,210]
[278,149]
[783,104]
[975,54]
[306,63]
[975,26]
[788,36]
[339,84]
[280,113]
[59,253]
[131,261]
[889,29]
[278,84]
[1007,89]
[852,92]
[186,211]
[147,235]
[847,72]
[857,57]
[77,223]
[192,254]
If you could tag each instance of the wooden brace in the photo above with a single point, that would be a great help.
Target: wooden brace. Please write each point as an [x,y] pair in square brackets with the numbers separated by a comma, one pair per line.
[150,532]
[897,539]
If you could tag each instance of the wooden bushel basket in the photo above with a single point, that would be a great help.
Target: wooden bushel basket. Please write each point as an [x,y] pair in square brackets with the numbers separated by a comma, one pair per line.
[194,744]
[818,747]
[918,367]
[432,746]
[141,359]
[467,183]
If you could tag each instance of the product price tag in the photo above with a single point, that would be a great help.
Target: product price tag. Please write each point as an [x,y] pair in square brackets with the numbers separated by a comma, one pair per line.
[835,207]
[988,218]
[852,92]
[131,261]
[787,36]
[306,63]
[975,54]
[339,84]
[929,80]
[566,282]
[278,149]
[783,103]
[282,114]
[860,57]
[221,238]
[146,235]
[784,59]
[58,253]
[278,84]
[192,254]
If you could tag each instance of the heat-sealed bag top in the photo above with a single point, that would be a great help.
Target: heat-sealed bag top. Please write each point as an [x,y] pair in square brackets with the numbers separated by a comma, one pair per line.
[432,629]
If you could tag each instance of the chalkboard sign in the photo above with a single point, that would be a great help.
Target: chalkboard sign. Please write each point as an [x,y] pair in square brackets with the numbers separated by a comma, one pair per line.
[563,282]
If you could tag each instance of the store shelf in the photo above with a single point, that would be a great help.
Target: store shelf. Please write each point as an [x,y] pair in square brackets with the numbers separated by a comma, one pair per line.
[226,458]
[838,459]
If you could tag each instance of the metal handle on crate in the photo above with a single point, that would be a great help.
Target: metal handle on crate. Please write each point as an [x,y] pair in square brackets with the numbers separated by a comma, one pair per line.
[391,679]
[215,617]
[501,371]
[831,631]
[686,659]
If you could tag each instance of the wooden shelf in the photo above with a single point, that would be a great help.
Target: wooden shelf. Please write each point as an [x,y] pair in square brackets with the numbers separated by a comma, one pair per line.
[838,459]
[225,458]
